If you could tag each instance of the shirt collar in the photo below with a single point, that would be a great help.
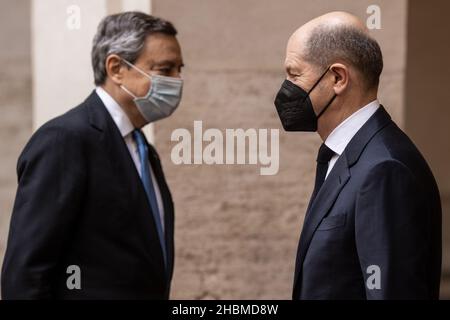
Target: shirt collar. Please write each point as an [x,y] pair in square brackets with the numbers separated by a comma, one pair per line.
[340,137]
[115,110]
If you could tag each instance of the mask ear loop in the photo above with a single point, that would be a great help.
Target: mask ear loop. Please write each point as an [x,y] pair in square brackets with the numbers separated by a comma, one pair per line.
[128,91]
[318,81]
[326,107]
[138,70]
[315,85]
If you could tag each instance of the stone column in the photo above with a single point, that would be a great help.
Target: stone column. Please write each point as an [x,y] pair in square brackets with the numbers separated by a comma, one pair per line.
[62,33]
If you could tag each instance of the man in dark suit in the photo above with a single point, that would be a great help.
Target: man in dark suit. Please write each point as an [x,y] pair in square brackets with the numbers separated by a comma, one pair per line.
[93,216]
[373,225]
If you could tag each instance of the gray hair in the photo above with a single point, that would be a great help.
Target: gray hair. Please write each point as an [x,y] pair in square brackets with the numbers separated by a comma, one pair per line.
[124,34]
[329,44]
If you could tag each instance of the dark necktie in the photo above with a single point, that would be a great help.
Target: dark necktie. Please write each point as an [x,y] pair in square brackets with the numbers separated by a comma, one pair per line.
[148,185]
[323,157]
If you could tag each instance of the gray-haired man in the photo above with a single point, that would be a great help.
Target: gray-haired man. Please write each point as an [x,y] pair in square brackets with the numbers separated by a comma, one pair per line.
[93,216]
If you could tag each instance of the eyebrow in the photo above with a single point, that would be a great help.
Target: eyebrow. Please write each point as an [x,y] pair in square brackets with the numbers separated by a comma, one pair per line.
[289,68]
[292,69]
[168,62]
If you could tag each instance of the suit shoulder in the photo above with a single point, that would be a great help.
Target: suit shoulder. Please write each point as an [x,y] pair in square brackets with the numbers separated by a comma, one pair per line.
[74,120]
[394,158]
[389,166]
[63,132]
[392,144]
[397,143]
[391,156]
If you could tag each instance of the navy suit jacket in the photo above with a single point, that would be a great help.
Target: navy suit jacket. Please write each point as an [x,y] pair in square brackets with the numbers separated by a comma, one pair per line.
[374,229]
[80,201]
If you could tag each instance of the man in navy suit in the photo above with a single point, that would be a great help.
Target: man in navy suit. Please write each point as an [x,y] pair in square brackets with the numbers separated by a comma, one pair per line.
[373,225]
[93,216]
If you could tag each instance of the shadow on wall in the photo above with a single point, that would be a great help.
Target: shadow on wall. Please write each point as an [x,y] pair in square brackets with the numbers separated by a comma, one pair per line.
[15,102]
[427,97]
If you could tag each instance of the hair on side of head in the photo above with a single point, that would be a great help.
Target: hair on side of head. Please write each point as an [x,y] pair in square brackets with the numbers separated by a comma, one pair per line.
[329,44]
[124,34]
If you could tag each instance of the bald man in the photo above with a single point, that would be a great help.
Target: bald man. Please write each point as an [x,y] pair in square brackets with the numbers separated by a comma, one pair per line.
[372,229]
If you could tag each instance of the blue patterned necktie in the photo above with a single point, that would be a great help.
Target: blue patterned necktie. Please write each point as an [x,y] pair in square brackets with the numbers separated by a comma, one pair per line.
[148,185]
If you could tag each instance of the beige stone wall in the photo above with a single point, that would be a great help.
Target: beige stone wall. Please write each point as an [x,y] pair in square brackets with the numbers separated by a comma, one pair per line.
[15,101]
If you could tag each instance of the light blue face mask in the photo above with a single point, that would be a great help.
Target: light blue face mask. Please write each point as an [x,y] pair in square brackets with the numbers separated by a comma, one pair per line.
[162,98]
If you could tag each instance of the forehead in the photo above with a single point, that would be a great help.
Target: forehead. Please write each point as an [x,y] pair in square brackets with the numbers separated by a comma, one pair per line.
[294,62]
[160,47]
[294,53]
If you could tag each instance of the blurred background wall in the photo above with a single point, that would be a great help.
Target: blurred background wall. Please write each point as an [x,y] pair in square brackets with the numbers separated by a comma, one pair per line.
[15,101]
[236,231]
[427,94]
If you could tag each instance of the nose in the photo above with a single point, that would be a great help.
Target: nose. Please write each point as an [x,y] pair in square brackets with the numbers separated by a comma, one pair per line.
[176,74]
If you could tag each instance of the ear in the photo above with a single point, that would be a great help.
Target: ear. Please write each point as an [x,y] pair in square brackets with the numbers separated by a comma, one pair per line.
[340,73]
[115,68]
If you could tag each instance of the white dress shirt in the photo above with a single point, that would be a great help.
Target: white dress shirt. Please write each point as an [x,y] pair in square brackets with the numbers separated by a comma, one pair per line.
[126,128]
[346,130]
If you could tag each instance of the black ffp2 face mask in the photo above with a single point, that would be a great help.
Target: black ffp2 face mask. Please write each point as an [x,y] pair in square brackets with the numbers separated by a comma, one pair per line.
[295,108]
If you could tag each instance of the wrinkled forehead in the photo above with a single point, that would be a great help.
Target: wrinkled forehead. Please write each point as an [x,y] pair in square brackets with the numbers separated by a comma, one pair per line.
[161,47]
[295,49]
[298,40]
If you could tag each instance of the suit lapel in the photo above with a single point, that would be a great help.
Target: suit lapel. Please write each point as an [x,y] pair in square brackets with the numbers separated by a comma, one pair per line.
[319,208]
[335,182]
[116,149]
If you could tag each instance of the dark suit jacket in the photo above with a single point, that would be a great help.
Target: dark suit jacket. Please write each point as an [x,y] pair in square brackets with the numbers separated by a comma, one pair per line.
[378,207]
[80,201]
